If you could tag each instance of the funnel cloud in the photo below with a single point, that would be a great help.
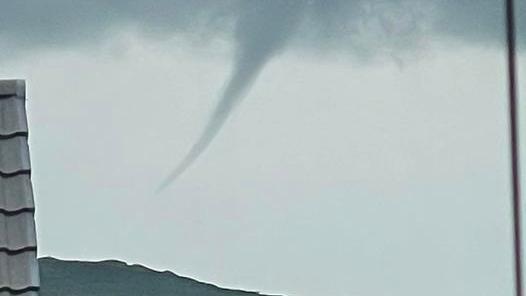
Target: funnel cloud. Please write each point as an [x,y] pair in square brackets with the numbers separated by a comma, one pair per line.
[258,39]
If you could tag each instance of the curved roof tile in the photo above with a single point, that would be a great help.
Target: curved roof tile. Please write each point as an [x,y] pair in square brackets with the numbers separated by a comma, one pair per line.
[19,232]
[19,271]
[12,116]
[14,155]
[16,193]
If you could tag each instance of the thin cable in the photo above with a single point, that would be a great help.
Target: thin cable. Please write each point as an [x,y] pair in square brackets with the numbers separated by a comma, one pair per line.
[514,143]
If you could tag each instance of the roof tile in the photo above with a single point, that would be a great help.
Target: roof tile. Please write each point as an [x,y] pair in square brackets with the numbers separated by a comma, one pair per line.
[14,155]
[19,232]
[26,293]
[12,88]
[12,116]
[16,193]
[19,271]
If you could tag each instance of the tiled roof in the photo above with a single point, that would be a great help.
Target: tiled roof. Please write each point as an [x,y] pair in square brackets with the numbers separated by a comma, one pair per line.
[18,263]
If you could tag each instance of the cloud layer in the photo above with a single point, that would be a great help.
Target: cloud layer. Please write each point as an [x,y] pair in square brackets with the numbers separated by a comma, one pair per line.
[58,23]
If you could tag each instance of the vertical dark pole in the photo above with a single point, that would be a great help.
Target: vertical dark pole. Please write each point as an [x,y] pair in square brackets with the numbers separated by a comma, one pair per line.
[514,143]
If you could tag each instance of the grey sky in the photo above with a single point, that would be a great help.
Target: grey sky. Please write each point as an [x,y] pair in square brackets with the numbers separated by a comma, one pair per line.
[343,173]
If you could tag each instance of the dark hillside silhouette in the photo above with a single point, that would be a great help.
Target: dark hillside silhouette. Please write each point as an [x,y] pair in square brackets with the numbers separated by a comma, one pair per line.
[115,278]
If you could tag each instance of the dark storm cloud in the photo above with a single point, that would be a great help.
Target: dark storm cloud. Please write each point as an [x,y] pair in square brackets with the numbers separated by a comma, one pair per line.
[57,23]
[29,24]
[258,30]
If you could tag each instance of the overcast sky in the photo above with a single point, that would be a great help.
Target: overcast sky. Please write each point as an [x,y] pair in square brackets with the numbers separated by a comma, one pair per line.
[365,152]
